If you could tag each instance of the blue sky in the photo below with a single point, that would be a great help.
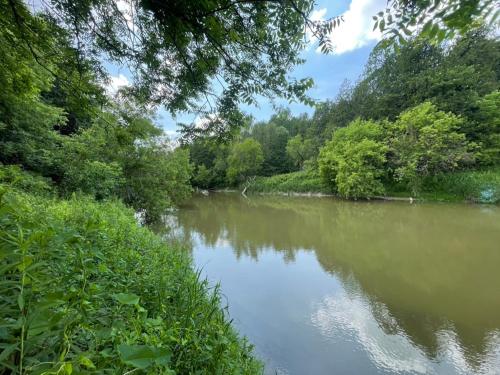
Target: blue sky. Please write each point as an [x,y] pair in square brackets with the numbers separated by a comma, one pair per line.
[353,42]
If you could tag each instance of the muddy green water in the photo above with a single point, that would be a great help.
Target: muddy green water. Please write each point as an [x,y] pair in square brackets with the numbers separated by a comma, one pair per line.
[322,286]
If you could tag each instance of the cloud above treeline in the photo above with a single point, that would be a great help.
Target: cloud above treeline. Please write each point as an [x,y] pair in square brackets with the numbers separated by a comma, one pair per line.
[116,82]
[357,29]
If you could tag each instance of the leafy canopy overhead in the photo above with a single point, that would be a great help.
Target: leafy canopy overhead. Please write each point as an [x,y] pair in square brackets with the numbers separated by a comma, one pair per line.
[206,56]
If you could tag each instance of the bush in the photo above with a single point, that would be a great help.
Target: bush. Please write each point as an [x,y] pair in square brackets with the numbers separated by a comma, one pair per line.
[86,290]
[202,178]
[15,177]
[475,186]
[98,179]
[425,142]
[156,178]
[352,163]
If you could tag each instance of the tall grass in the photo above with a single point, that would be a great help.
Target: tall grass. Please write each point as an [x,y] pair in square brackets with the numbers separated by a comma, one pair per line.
[84,289]
[482,186]
[296,182]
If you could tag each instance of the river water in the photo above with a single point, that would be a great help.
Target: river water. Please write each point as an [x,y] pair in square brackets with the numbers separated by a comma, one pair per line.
[322,286]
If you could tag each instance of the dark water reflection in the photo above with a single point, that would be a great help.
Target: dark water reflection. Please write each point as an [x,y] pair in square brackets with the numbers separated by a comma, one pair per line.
[323,286]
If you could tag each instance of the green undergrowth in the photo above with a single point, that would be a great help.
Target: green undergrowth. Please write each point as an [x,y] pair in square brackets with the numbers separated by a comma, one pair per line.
[295,182]
[481,186]
[85,290]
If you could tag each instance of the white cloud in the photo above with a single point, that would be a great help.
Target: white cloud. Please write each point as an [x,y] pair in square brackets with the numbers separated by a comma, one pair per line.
[357,29]
[116,82]
[126,8]
[318,14]
[348,313]
[202,122]
[171,133]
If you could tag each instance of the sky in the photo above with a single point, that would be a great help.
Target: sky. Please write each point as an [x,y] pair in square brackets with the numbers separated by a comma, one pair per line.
[353,41]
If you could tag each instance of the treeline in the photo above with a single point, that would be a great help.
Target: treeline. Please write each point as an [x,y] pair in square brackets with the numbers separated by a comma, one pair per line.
[419,110]
[58,123]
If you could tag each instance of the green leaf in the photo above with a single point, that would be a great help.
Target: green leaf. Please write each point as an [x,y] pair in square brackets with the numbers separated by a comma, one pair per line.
[139,356]
[127,298]
[163,356]
[8,351]
[381,25]
[20,301]
[86,362]
[66,368]
[143,356]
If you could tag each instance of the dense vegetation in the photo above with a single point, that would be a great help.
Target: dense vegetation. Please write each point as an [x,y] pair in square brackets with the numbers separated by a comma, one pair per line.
[421,113]
[84,289]
[57,121]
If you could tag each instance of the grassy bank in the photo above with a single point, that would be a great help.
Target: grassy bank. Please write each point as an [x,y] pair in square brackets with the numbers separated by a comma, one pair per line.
[472,186]
[84,289]
[296,182]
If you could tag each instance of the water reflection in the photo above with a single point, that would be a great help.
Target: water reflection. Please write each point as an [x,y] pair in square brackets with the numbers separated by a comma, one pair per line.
[418,285]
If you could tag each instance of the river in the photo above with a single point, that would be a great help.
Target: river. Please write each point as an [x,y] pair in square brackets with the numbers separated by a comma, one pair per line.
[323,286]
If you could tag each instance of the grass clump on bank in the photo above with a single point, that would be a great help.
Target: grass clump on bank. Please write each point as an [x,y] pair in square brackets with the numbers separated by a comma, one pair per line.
[295,182]
[84,289]
[481,186]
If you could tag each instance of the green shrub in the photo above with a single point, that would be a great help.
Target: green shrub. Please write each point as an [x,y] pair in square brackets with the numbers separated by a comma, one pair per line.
[476,186]
[98,179]
[155,179]
[352,163]
[84,289]
[488,128]
[202,177]
[425,142]
[15,177]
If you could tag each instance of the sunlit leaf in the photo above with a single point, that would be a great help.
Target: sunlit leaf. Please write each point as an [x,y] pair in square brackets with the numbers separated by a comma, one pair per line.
[127,298]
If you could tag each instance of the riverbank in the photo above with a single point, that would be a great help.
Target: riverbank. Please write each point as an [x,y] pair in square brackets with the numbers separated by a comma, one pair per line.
[85,288]
[470,186]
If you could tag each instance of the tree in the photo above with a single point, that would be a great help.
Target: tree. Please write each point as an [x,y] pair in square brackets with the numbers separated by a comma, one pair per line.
[453,76]
[26,121]
[352,163]
[209,157]
[299,150]
[179,51]
[273,139]
[425,142]
[244,161]
[488,128]
[157,178]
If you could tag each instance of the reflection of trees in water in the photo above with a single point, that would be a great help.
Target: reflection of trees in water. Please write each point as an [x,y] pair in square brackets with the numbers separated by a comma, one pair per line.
[431,266]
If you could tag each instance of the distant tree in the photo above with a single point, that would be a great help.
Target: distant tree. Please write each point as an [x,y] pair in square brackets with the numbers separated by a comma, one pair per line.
[299,150]
[353,162]
[156,178]
[273,139]
[488,128]
[210,160]
[425,142]
[202,177]
[453,76]
[245,160]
